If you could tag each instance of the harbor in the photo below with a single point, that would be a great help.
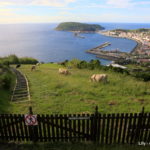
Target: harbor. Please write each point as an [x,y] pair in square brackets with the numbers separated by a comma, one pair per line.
[113,55]
[140,53]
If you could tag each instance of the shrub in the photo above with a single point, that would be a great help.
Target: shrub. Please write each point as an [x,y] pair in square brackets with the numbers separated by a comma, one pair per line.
[13,59]
[74,63]
[28,60]
[82,64]
[94,64]
[6,81]
[5,77]
[145,76]
[120,70]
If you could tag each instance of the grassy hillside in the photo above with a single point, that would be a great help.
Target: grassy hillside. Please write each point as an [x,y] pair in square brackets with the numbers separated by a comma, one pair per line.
[55,93]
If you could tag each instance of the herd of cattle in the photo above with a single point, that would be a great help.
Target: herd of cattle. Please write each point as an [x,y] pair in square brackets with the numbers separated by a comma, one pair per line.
[94,78]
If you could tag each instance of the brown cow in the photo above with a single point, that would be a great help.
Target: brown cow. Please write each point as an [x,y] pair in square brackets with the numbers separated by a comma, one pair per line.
[33,67]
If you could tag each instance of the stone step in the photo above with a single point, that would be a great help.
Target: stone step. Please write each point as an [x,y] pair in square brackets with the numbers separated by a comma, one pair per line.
[19,98]
[20,92]
[20,95]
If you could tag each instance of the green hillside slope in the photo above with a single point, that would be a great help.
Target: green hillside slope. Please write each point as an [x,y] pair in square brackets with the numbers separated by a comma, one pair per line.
[52,92]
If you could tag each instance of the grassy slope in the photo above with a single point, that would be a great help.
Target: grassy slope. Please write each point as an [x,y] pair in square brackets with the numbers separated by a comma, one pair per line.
[5,96]
[55,93]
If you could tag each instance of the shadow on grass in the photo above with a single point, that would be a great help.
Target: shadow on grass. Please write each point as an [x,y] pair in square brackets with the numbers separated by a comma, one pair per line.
[68,146]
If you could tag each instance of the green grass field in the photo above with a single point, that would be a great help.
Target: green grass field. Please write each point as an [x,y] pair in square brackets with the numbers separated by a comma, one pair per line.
[54,93]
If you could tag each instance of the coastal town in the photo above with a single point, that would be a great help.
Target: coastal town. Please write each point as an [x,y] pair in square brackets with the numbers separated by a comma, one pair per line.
[140,53]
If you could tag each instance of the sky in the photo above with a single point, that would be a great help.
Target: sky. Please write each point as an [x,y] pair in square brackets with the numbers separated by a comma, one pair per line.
[44,11]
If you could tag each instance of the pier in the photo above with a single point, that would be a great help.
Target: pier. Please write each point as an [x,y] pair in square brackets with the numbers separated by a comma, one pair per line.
[100,46]
[109,55]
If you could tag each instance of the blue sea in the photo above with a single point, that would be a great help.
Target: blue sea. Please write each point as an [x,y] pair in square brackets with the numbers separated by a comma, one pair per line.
[41,41]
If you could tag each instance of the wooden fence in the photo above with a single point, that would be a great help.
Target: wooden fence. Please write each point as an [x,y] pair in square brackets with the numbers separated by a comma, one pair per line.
[101,128]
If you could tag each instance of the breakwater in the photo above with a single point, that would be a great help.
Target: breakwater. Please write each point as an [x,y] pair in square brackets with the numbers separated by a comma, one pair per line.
[100,46]
[109,55]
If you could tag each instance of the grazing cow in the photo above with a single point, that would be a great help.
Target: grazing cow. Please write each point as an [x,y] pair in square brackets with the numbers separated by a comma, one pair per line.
[63,71]
[33,67]
[18,66]
[99,78]
[38,64]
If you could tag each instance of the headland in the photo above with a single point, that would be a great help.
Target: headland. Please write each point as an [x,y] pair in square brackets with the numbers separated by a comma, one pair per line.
[79,27]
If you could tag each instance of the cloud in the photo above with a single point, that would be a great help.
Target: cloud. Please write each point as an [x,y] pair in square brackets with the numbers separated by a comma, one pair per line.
[142,3]
[54,3]
[5,12]
[119,3]
[126,3]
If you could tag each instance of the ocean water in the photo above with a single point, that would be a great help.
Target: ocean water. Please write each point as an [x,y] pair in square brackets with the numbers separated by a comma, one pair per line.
[41,41]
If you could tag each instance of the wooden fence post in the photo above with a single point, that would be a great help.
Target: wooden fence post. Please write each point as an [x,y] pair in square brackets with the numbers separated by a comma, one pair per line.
[30,110]
[139,126]
[33,131]
[95,125]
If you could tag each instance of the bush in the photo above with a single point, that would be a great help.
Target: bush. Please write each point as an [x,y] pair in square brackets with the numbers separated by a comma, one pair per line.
[145,76]
[82,64]
[120,70]
[5,81]
[94,64]
[5,77]
[28,60]
[76,63]
[13,59]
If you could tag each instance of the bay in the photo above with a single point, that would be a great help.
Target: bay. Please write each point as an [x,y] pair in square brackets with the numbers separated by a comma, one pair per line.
[41,41]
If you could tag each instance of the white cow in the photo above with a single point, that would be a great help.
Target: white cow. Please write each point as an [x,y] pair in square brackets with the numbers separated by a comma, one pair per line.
[38,64]
[99,78]
[64,71]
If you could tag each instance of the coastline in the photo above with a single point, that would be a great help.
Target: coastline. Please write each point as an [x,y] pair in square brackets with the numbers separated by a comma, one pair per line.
[138,43]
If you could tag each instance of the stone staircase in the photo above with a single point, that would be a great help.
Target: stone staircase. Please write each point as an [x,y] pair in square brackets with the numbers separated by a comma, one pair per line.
[21,90]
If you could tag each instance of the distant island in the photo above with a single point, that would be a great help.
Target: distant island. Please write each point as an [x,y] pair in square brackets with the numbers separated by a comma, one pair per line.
[76,26]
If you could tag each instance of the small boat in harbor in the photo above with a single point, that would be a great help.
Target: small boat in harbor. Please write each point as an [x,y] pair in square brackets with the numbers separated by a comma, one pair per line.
[77,34]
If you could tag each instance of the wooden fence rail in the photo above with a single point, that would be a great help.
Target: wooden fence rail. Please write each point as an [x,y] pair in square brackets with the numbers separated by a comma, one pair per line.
[102,128]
